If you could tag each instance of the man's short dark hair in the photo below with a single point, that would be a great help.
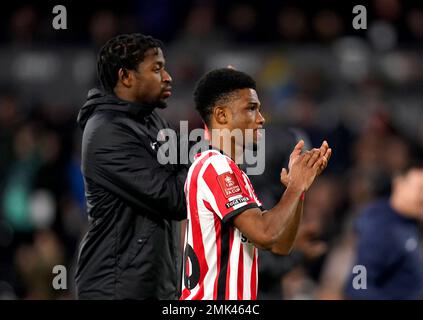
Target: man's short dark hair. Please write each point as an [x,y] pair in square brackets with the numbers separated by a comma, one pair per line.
[123,51]
[217,86]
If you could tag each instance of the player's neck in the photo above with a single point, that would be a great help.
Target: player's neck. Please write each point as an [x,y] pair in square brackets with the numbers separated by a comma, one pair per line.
[228,147]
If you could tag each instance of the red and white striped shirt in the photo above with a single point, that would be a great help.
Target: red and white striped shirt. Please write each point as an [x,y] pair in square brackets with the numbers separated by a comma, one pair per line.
[219,262]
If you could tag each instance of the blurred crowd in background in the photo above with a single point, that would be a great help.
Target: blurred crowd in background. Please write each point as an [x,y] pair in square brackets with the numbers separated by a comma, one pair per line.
[318,78]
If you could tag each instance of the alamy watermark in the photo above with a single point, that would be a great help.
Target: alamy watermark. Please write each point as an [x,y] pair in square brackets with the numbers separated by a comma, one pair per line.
[60,280]
[359,281]
[60,21]
[360,20]
[249,146]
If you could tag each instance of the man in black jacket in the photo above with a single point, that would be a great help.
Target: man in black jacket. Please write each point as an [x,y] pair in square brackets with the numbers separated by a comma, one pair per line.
[131,249]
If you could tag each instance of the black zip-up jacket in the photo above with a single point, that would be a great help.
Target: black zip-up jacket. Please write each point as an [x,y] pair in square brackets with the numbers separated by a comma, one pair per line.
[131,249]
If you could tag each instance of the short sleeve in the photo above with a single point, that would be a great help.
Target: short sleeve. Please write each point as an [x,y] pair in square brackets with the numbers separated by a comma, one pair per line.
[226,188]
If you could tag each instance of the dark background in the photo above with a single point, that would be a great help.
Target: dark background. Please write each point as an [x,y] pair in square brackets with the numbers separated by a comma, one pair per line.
[318,78]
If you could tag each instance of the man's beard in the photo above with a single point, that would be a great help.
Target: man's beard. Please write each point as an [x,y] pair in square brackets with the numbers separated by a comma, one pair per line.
[160,104]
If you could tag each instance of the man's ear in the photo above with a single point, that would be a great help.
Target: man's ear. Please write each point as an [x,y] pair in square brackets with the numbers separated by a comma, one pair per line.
[125,77]
[220,114]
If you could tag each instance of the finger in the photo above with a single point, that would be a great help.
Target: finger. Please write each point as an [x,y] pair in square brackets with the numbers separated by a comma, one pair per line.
[320,164]
[296,151]
[306,157]
[328,154]
[324,163]
[315,155]
[284,176]
[323,148]
[298,147]
[314,150]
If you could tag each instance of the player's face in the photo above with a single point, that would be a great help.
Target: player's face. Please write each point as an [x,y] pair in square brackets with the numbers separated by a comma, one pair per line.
[245,114]
[152,82]
[411,188]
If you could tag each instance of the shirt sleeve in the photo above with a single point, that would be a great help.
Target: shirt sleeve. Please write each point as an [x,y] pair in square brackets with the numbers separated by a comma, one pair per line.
[227,190]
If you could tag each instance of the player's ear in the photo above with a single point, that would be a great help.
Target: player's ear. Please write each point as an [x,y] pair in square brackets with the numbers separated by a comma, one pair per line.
[125,77]
[220,114]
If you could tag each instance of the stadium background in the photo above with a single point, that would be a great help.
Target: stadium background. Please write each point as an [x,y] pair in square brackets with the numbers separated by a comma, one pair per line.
[317,78]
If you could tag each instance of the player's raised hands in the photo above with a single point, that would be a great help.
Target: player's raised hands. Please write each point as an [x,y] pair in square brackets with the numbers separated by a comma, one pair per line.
[315,159]
[304,170]
[326,153]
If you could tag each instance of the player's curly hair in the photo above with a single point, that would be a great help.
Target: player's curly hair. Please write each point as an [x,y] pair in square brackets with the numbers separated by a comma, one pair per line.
[218,86]
[123,51]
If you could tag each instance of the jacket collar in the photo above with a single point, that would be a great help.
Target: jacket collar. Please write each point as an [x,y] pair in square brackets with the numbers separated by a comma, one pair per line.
[98,100]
